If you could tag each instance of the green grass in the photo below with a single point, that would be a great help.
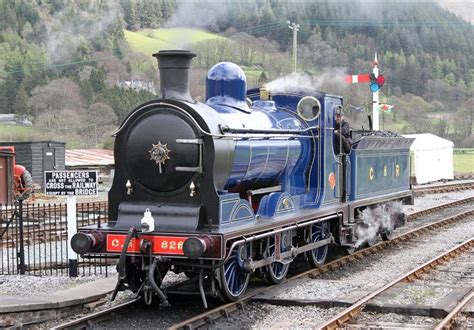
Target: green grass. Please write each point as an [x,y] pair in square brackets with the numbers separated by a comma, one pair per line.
[150,41]
[392,126]
[10,132]
[464,162]
[145,44]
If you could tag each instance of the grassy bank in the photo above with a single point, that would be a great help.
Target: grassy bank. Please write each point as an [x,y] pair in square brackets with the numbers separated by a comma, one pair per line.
[150,41]
[464,161]
[13,132]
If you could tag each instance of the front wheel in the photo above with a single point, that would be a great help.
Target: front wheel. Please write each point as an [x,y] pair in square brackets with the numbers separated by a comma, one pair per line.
[232,276]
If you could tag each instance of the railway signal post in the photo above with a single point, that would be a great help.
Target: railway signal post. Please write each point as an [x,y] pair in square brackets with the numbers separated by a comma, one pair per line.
[376,81]
[375,95]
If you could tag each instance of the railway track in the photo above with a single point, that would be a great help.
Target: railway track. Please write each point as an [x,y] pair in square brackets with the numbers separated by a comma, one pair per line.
[90,320]
[443,188]
[350,313]
[446,323]
[212,315]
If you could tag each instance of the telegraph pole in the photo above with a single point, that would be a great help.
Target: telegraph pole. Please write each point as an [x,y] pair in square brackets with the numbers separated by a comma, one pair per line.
[295,28]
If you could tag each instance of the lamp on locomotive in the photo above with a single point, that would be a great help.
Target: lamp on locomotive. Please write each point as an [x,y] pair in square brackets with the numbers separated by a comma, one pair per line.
[147,222]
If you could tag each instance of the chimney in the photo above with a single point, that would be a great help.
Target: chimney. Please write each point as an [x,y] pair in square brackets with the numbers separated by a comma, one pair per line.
[174,73]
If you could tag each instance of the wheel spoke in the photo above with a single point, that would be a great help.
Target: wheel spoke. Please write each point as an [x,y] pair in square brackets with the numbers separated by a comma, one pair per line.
[317,256]
[233,276]
[275,272]
[232,283]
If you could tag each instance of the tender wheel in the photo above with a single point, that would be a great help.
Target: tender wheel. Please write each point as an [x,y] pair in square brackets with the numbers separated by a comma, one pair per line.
[387,235]
[276,272]
[371,241]
[318,232]
[351,250]
[233,278]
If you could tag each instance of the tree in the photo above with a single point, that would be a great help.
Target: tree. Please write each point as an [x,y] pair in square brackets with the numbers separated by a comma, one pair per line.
[58,95]
[104,115]
[64,125]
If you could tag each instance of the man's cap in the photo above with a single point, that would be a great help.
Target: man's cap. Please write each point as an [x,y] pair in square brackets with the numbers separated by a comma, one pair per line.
[339,111]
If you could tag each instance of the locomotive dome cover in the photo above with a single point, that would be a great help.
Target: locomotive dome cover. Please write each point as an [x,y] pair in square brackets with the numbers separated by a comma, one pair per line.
[226,83]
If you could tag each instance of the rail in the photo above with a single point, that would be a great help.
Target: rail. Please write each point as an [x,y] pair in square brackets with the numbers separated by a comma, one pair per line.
[87,321]
[446,322]
[349,313]
[225,310]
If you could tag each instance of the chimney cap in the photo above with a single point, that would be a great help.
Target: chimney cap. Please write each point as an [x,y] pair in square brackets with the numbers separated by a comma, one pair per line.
[174,58]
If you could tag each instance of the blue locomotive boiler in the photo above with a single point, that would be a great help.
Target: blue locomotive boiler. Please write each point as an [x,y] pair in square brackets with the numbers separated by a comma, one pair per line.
[239,185]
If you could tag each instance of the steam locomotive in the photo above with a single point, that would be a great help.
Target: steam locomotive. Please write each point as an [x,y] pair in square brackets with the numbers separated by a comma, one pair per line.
[239,185]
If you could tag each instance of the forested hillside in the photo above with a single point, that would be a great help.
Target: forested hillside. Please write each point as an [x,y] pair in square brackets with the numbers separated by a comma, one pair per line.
[67,66]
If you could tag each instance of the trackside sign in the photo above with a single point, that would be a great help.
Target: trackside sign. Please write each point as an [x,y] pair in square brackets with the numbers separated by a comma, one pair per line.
[71,183]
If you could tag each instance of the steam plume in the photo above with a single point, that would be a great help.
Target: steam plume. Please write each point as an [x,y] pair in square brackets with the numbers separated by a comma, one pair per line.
[378,219]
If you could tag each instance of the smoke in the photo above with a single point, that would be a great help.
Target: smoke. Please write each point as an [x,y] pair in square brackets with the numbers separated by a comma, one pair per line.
[78,25]
[289,83]
[330,79]
[463,9]
[198,15]
[376,220]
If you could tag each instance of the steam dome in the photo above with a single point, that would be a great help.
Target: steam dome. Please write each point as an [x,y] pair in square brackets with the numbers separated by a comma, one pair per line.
[226,83]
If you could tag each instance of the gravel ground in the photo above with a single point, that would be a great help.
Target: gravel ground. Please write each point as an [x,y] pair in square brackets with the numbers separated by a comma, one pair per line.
[462,321]
[262,315]
[450,272]
[12,284]
[391,318]
[420,295]
[370,273]
[374,271]
[27,286]
[429,289]
[427,201]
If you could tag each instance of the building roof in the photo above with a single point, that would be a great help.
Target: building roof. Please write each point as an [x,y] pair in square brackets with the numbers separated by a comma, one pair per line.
[89,157]
[428,141]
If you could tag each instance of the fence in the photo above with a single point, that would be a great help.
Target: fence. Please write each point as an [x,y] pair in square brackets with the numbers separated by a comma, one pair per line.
[33,239]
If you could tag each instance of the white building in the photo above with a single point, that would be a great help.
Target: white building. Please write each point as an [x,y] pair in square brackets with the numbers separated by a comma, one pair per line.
[431,158]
